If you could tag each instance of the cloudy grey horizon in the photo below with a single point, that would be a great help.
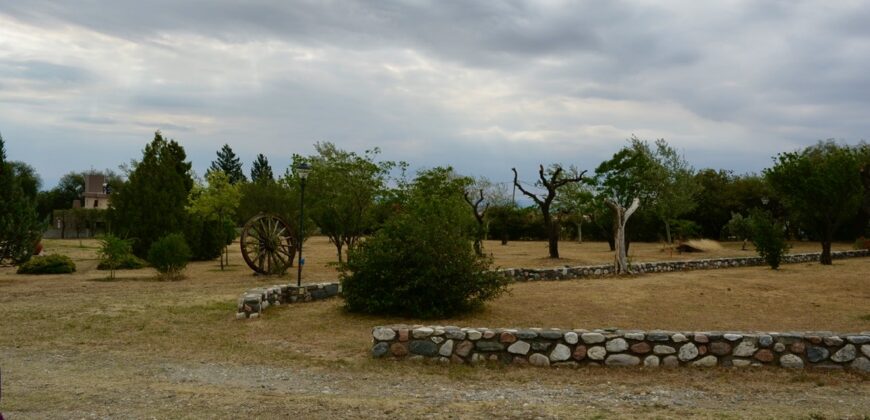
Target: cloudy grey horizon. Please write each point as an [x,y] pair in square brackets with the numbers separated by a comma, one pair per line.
[481,86]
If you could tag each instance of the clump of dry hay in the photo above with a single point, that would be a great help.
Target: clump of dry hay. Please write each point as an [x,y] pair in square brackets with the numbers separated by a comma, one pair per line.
[700,245]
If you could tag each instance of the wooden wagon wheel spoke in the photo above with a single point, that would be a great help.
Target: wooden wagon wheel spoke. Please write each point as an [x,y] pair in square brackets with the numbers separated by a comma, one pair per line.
[267,245]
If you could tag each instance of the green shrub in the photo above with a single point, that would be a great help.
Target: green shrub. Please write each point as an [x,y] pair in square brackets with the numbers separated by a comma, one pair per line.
[768,236]
[112,251]
[205,237]
[421,263]
[49,264]
[169,255]
[129,262]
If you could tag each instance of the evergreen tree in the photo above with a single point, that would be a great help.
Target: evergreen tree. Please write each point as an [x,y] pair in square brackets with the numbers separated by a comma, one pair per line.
[228,163]
[20,229]
[153,202]
[260,170]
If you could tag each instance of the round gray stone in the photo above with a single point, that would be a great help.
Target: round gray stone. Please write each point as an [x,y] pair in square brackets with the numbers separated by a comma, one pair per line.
[858,339]
[422,332]
[651,361]
[551,334]
[617,345]
[733,337]
[663,349]
[679,338]
[845,354]
[745,349]
[708,361]
[592,338]
[520,347]
[489,346]
[446,349]
[571,337]
[861,364]
[473,334]
[539,359]
[833,340]
[423,348]
[670,361]
[560,353]
[622,360]
[779,347]
[383,334]
[866,350]
[634,336]
[380,349]
[816,354]
[791,361]
[596,353]
[765,340]
[688,352]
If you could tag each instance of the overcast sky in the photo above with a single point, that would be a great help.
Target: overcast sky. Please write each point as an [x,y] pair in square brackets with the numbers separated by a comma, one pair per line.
[480,85]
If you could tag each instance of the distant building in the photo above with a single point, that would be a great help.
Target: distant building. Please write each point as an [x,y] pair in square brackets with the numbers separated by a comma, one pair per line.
[96,192]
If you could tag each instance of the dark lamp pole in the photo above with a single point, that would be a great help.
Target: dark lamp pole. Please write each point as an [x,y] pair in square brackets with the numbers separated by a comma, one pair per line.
[303,169]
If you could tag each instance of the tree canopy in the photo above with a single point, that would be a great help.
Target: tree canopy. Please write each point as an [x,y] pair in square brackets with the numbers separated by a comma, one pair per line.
[228,163]
[20,229]
[820,186]
[261,171]
[154,200]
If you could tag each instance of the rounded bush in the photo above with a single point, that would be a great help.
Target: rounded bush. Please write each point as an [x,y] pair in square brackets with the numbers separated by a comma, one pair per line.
[420,264]
[169,255]
[49,264]
[127,262]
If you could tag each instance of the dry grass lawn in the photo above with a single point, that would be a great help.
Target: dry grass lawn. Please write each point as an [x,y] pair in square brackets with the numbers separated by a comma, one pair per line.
[137,347]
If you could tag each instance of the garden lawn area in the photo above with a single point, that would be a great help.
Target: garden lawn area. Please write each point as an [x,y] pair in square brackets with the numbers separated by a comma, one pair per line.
[76,345]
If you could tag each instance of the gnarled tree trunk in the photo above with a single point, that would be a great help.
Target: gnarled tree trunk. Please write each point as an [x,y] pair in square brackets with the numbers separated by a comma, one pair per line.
[621,215]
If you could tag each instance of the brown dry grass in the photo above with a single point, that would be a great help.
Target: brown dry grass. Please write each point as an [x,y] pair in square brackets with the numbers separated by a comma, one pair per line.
[100,331]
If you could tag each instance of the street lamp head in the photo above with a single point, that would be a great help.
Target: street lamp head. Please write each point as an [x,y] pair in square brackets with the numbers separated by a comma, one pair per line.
[303,169]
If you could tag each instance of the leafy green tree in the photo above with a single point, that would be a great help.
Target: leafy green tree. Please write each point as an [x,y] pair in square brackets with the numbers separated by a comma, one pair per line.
[576,202]
[740,227]
[261,171]
[20,228]
[421,263]
[630,177]
[714,201]
[676,190]
[218,200]
[554,178]
[154,200]
[114,251]
[821,188]
[228,163]
[343,189]
[768,236]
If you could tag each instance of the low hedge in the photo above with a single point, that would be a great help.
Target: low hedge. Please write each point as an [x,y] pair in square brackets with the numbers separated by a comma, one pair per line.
[49,264]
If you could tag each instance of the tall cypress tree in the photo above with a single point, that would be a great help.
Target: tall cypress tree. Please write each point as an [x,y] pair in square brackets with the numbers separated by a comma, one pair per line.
[261,170]
[20,228]
[152,203]
[228,163]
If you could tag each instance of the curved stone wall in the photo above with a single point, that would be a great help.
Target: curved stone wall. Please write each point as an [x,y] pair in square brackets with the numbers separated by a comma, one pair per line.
[555,347]
[564,273]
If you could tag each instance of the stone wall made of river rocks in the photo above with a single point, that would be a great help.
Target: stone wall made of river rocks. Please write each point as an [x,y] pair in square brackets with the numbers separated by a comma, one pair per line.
[564,273]
[571,348]
[252,303]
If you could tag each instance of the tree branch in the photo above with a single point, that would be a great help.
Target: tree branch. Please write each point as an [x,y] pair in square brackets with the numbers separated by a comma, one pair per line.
[523,190]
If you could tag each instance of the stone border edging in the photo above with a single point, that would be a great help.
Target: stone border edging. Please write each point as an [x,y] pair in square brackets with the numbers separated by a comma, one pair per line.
[610,347]
[565,273]
[254,301]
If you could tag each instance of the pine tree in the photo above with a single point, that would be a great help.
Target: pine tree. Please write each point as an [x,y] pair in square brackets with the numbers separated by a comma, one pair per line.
[260,170]
[228,163]
[20,229]
[153,202]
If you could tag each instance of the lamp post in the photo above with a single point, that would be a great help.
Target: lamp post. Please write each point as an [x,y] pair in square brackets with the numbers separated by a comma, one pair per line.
[302,170]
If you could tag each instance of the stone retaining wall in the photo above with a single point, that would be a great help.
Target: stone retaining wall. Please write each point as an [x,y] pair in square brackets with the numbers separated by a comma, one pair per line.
[563,273]
[570,348]
[254,301]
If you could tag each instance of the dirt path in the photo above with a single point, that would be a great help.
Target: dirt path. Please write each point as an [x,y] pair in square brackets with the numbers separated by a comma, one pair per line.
[75,384]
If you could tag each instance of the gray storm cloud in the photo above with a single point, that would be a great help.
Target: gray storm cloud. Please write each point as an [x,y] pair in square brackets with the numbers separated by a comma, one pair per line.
[483,86]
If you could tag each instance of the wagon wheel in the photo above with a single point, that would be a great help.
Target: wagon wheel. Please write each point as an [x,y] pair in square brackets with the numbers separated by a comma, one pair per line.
[267,245]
